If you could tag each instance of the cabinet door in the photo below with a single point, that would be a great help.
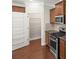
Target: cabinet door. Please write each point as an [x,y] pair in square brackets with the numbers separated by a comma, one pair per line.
[62,49]
[60,8]
[47,39]
[52,16]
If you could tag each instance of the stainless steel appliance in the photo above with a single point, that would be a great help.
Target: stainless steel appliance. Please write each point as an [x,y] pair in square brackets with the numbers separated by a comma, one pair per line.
[59,19]
[54,43]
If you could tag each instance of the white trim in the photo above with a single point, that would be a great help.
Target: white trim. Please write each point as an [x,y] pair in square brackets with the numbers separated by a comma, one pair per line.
[42,26]
[59,1]
[43,44]
[18,4]
[35,38]
[20,45]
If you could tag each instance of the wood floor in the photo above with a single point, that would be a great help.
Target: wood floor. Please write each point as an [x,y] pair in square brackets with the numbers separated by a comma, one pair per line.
[33,51]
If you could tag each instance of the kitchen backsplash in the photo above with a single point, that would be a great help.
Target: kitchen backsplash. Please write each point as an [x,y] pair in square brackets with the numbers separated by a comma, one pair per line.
[54,26]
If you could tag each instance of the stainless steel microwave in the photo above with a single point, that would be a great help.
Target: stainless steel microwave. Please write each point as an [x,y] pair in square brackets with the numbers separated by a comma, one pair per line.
[59,19]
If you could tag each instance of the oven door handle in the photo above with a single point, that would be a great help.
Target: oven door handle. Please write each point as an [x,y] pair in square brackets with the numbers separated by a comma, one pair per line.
[53,40]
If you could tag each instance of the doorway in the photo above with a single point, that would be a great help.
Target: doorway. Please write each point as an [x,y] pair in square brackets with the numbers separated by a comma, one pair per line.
[35,12]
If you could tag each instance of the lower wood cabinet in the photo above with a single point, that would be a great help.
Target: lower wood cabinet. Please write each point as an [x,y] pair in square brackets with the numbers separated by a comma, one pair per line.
[62,49]
[47,38]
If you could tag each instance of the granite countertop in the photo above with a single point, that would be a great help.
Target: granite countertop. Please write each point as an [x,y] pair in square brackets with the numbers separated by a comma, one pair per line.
[51,31]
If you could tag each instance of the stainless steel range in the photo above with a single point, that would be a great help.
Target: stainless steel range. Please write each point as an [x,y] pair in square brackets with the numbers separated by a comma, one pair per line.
[54,43]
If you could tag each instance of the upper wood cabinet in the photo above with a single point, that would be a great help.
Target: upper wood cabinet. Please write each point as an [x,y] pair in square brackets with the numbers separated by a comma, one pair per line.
[18,9]
[58,10]
[52,15]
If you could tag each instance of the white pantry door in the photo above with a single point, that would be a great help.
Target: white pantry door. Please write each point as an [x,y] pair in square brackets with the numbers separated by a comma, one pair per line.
[20,30]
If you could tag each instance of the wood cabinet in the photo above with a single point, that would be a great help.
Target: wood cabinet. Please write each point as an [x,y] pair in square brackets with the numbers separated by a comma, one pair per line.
[47,38]
[58,10]
[62,49]
[18,9]
[52,15]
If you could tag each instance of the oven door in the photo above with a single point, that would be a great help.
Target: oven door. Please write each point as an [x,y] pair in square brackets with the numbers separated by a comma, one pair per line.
[54,46]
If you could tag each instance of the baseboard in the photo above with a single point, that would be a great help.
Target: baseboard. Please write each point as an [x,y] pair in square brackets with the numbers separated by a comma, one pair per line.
[20,45]
[43,44]
[35,38]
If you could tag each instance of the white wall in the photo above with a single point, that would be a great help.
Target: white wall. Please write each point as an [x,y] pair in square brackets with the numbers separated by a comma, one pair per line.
[47,14]
[20,29]
[18,4]
[35,26]
[42,26]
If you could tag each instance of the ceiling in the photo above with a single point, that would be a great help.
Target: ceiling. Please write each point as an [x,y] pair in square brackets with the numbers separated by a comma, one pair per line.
[47,2]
